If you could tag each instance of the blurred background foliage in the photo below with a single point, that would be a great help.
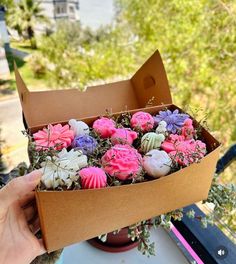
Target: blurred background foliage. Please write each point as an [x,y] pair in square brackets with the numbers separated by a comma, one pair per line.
[197,41]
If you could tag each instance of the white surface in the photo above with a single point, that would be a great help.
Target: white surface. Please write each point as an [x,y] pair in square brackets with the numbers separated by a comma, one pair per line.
[167,252]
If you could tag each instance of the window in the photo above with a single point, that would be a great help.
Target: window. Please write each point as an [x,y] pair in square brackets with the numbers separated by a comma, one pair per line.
[71,9]
[60,8]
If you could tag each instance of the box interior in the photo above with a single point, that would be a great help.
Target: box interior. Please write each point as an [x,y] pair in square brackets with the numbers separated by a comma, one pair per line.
[211,142]
[44,107]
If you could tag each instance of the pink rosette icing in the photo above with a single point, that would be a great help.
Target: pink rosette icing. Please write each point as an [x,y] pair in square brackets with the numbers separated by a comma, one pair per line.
[123,136]
[184,151]
[93,178]
[122,162]
[188,130]
[57,137]
[104,126]
[142,121]
[174,142]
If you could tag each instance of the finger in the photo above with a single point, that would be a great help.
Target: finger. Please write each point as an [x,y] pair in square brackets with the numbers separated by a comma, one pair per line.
[35,226]
[30,213]
[27,199]
[18,188]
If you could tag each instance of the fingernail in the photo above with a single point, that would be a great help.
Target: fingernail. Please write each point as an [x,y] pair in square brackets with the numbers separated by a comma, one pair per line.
[34,176]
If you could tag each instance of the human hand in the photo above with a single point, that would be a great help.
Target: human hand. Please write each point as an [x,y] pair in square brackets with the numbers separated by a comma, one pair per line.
[18,224]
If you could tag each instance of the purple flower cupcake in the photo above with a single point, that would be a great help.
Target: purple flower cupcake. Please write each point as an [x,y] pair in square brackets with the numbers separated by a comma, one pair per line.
[85,143]
[174,120]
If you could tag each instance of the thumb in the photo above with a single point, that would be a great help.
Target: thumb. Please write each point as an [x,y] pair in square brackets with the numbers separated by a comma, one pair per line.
[17,188]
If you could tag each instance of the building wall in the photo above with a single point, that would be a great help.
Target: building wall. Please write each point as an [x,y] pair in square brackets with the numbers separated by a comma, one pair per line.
[4,68]
[48,9]
[4,37]
[73,10]
[56,10]
[4,43]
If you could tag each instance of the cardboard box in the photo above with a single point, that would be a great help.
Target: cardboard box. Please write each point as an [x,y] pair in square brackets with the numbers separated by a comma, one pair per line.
[67,217]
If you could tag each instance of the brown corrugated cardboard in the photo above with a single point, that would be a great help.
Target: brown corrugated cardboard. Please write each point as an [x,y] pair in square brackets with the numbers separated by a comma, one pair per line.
[54,106]
[72,216]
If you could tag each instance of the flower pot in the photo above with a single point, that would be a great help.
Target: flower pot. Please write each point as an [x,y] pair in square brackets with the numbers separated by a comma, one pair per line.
[115,243]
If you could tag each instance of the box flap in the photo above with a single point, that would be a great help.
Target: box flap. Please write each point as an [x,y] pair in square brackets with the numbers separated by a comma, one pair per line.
[53,106]
[151,81]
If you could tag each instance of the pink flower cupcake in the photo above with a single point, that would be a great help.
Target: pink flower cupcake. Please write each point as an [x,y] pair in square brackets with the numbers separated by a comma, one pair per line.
[104,126]
[93,178]
[123,136]
[142,121]
[188,130]
[122,162]
[57,137]
[182,151]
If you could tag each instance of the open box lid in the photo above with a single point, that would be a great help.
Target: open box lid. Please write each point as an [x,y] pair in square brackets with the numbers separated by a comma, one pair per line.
[53,106]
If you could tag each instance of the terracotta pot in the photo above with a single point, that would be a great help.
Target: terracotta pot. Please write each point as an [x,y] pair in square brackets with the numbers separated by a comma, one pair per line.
[119,242]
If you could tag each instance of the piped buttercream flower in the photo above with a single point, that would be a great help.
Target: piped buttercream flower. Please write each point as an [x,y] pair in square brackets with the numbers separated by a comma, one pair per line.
[184,151]
[123,136]
[157,163]
[85,143]
[57,137]
[93,178]
[142,121]
[62,169]
[79,127]
[188,130]
[161,128]
[104,126]
[151,141]
[122,162]
[174,119]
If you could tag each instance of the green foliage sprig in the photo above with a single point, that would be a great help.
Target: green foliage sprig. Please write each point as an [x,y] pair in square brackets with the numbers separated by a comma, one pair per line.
[223,197]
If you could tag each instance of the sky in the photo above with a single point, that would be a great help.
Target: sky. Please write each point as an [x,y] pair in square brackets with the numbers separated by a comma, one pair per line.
[94,13]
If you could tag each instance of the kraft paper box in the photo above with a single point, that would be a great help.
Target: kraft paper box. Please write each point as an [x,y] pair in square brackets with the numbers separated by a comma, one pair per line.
[68,217]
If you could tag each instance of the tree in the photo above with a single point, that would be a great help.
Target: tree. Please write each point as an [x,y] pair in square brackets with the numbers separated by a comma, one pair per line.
[7,3]
[23,17]
[87,56]
[197,41]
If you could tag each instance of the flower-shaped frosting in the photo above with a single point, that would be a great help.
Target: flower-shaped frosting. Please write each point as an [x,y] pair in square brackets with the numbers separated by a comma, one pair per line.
[57,137]
[86,144]
[122,162]
[188,130]
[61,170]
[184,151]
[93,178]
[104,126]
[123,136]
[174,119]
[79,127]
[151,141]
[157,163]
[142,121]
[161,128]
